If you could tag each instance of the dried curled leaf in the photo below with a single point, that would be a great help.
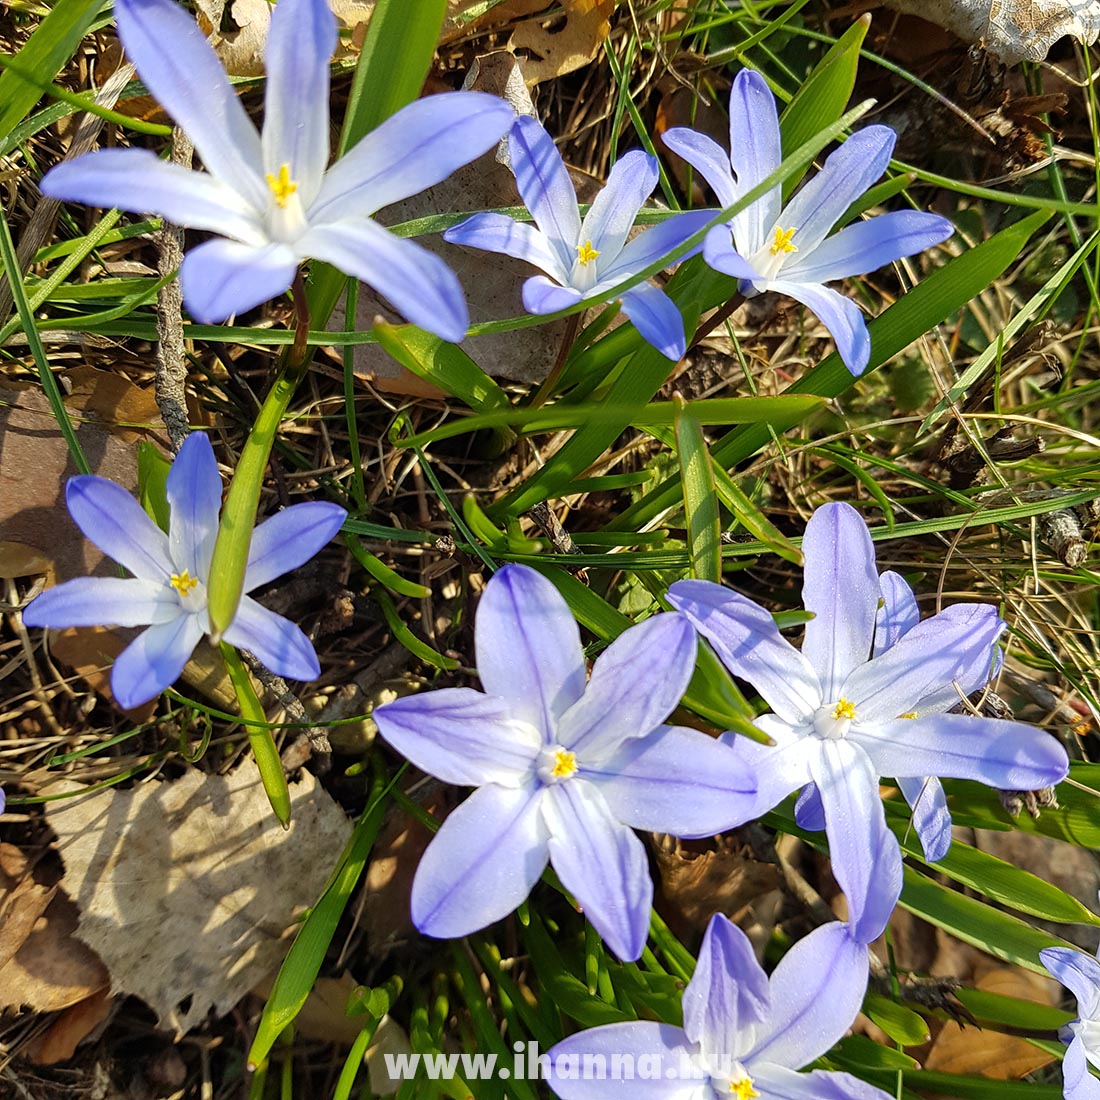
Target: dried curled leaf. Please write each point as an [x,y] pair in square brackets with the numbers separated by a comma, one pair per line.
[1012,30]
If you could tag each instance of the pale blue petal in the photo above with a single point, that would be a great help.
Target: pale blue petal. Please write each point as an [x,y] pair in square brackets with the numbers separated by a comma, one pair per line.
[194,491]
[778,1083]
[816,992]
[929,657]
[1008,755]
[841,589]
[154,660]
[865,854]
[1078,1083]
[221,278]
[728,994]
[103,601]
[528,647]
[545,187]
[412,150]
[840,315]
[677,781]
[482,863]
[755,152]
[639,1045]
[868,245]
[290,538]
[654,314]
[655,243]
[138,181]
[778,769]
[601,862]
[809,813]
[707,157]
[614,210]
[418,284]
[179,67]
[720,254]
[497,233]
[636,684]
[846,174]
[931,817]
[276,641]
[461,736]
[540,295]
[300,44]
[899,612]
[749,644]
[1079,973]
[118,525]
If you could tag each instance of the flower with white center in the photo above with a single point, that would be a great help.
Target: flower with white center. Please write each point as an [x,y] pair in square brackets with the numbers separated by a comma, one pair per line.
[1080,974]
[585,258]
[565,770]
[788,249]
[841,717]
[167,592]
[744,1036]
[269,197]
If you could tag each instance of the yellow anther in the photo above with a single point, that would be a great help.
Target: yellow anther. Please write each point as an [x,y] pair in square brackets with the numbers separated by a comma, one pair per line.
[782,242]
[586,253]
[565,764]
[282,186]
[844,709]
[183,582]
[743,1090]
[911,714]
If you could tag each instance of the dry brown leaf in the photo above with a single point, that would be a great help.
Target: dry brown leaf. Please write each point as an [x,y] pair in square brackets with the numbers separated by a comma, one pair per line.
[35,463]
[52,969]
[59,1041]
[187,888]
[1012,30]
[557,50]
[989,1053]
[324,1015]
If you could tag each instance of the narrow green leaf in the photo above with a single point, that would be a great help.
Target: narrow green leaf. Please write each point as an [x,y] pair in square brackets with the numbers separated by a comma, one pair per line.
[610,415]
[382,573]
[45,54]
[442,364]
[700,501]
[858,1053]
[303,961]
[1000,881]
[1012,1011]
[972,921]
[821,99]
[407,638]
[153,470]
[902,1024]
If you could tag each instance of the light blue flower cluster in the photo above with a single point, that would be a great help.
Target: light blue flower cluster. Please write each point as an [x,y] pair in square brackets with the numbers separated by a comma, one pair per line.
[273,204]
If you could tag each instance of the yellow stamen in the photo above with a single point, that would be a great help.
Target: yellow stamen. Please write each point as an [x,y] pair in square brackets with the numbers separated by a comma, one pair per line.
[282,186]
[782,242]
[565,764]
[183,582]
[743,1090]
[844,709]
[586,253]
[911,714]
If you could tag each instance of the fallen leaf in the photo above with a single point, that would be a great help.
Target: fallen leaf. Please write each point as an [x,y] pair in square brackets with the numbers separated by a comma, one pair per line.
[1012,30]
[186,889]
[990,1053]
[324,1015]
[59,1041]
[556,49]
[52,969]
